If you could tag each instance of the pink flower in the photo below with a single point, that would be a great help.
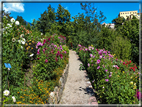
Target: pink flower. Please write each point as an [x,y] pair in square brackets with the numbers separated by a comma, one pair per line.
[106,70]
[44,41]
[109,75]
[98,61]
[79,45]
[103,66]
[43,50]
[106,80]
[65,52]
[91,55]
[55,46]
[100,56]
[88,65]
[98,67]
[46,61]
[38,51]
[56,59]
[91,64]
[85,49]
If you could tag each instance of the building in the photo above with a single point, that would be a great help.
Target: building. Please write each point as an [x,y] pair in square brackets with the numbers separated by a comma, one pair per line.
[111,25]
[129,14]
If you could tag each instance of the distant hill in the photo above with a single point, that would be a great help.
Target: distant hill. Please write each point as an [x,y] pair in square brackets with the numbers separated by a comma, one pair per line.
[27,23]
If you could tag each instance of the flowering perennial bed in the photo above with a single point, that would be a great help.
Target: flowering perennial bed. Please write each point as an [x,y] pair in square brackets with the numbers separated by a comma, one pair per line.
[116,81]
[21,48]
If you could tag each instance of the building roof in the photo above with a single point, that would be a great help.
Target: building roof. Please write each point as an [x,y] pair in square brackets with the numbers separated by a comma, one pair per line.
[129,11]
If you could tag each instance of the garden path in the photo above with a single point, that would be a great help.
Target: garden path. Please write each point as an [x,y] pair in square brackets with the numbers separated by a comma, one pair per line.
[77,88]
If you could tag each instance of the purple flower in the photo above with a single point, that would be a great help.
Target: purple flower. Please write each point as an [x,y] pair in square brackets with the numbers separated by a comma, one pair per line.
[98,67]
[88,65]
[91,60]
[103,66]
[109,75]
[93,56]
[65,52]
[46,61]
[98,61]
[58,48]
[139,94]
[108,51]
[106,70]
[106,80]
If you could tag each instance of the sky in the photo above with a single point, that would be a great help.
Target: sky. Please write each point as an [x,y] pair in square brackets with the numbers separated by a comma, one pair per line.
[30,11]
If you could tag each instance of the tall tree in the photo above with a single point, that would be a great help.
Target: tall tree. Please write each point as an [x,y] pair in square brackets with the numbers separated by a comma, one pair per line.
[118,21]
[62,16]
[21,20]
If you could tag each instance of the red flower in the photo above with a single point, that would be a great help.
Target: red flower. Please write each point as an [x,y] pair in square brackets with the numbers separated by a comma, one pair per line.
[37,58]
[130,61]
[133,69]
[123,63]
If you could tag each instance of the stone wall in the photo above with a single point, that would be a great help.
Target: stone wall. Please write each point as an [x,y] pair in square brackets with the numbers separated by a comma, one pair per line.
[56,95]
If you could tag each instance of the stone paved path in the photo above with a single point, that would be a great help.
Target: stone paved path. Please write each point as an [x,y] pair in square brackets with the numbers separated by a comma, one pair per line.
[77,88]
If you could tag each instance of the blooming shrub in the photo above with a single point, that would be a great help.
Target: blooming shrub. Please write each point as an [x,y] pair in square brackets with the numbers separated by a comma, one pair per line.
[115,82]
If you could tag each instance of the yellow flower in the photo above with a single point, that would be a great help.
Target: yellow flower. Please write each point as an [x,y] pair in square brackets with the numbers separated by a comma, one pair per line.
[123,72]
[118,76]
[131,82]
[134,87]
[134,83]
[29,43]
[131,77]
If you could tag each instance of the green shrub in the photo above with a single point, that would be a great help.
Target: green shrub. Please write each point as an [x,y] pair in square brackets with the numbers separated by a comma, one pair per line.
[121,48]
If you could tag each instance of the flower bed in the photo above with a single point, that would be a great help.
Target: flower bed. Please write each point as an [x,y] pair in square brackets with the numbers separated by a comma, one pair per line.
[115,81]
[45,56]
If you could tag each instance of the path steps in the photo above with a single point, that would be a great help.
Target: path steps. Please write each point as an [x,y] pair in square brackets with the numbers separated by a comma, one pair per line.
[78,88]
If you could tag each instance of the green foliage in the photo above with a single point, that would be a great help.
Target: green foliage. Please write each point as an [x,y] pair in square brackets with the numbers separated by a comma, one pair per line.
[118,21]
[121,48]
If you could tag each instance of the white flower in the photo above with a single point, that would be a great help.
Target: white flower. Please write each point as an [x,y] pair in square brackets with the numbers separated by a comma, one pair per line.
[17,23]
[14,99]
[52,94]
[9,25]
[21,47]
[12,20]
[41,33]
[6,93]
[13,39]
[22,35]
[19,41]
[31,55]
[23,42]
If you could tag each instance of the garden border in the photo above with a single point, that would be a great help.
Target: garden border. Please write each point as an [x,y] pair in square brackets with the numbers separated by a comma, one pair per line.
[56,95]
